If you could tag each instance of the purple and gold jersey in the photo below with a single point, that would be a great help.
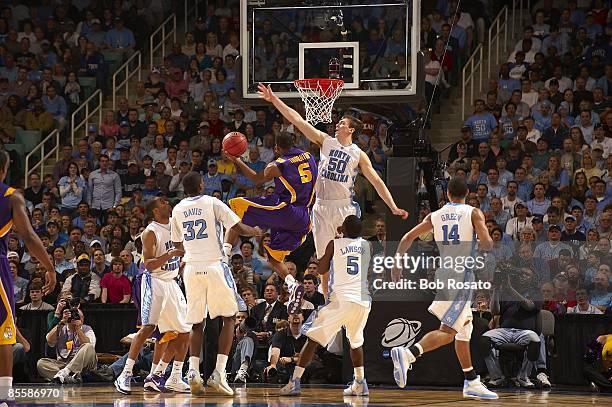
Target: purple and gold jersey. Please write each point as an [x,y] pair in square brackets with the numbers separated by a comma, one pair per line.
[6,217]
[298,177]
[7,300]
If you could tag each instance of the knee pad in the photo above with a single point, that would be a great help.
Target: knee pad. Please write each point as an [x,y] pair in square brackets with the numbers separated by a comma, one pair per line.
[533,351]
[465,332]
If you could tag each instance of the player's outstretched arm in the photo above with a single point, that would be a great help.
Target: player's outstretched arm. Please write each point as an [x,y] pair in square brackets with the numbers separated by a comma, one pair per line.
[406,242]
[325,261]
[240,229]
[484,239]
[22,226]
[370,173]
[314,135]
[258,178]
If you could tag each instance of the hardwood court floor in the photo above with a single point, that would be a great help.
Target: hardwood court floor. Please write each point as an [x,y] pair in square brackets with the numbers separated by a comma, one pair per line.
[92,395]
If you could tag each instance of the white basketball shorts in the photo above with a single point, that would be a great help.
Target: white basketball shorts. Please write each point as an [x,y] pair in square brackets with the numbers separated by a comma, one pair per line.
[327,215]
[210,289]
[325,322]
[163,304]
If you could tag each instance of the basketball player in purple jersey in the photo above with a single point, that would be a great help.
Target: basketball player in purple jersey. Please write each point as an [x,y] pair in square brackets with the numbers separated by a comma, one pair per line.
[13,215]
[341,161]
[287,212]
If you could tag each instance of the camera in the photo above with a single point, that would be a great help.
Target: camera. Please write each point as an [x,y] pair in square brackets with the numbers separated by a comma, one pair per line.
[74,315]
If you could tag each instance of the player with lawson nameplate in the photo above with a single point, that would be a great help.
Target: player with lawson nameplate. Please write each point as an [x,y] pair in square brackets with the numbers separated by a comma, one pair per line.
[456,227]
[347,259]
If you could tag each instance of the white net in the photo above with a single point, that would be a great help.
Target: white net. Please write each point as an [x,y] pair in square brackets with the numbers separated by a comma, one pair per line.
[319,96]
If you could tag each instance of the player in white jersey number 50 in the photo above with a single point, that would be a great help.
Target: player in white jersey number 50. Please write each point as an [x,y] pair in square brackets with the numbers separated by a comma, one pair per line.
[341,159]
[455,227]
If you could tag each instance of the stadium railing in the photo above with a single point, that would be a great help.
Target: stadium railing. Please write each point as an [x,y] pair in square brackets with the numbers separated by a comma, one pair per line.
[522,6]
[472,68]
[159,37]
[498,28]
[40,155]
[121,78]
[89,108]
[193,11]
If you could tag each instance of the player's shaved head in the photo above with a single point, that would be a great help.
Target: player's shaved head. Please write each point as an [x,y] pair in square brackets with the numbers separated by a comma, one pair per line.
[352,227]
[457,188]
[284,141]
[192,183]
[155,202]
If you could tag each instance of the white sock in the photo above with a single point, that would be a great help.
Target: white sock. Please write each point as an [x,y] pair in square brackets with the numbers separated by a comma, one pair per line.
[290,280]
[298,372]
[160,370]
[6,382]
[129,365]
[177,369]
[359,373]
[153,367]
[221,362]
[194,363]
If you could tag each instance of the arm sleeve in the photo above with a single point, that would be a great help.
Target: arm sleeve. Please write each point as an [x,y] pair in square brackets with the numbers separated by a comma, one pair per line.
[277,340]
[223,213]
[92,337]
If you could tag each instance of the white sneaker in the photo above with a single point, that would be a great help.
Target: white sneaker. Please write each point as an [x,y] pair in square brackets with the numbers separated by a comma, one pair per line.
[543,379]
[218,381]
[357,388]
[525,383]
[196,384]
[241,376]
[123,383]
[476,390]
[402,363]
[177,384]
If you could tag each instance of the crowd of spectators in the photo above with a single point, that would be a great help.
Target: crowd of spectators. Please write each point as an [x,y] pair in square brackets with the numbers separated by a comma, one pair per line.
[540,171]
[54,54]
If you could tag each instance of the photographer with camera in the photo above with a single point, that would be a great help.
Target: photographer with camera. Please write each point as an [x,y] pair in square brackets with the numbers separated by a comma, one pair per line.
[285,350]
[516,300]
[75,347]
[243,347]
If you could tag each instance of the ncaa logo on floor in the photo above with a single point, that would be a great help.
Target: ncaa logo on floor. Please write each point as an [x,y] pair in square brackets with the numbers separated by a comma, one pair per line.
[399,332]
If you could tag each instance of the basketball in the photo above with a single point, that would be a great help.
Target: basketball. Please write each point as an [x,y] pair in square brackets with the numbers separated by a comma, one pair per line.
[235,143]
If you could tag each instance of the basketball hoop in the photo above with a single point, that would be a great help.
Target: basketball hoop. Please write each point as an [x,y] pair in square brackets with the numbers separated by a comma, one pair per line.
[319,95]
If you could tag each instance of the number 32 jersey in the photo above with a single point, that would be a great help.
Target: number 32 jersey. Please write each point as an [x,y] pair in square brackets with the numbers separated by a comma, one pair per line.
[198,223]
[453,230]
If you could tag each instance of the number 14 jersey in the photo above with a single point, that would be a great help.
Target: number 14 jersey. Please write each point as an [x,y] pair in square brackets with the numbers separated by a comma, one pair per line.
[453,230]
[198,223]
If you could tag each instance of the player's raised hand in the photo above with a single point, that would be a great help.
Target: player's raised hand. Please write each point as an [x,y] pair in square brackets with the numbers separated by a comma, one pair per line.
[265,92]
[400,212]
[231,157]
[50,281]
[258,231]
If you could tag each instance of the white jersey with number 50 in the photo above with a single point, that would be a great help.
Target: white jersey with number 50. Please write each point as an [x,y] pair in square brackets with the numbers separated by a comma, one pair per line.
[453,230]
[338,168]
[348,274]
[198,223]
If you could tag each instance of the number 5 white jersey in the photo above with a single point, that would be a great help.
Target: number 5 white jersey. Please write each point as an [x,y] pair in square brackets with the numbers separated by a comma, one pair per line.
[348,275]
[453,230]
[198,223]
